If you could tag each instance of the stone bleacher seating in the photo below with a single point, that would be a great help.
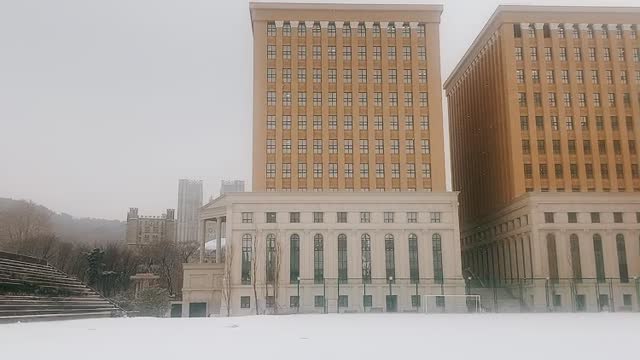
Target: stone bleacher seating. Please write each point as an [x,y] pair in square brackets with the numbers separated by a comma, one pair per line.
[31,289]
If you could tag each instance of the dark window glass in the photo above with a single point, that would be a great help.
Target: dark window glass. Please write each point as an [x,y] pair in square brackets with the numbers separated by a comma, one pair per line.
[318,259]
[294,258]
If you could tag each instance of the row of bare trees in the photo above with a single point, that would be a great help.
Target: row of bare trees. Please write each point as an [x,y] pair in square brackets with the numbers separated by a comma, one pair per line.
[25,229]
[264,287]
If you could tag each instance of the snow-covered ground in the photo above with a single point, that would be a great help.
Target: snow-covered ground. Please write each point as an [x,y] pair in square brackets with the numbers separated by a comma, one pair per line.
[331,337]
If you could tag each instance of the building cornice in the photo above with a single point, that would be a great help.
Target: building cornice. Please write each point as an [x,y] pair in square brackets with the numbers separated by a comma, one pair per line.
[268,11]
[537,14]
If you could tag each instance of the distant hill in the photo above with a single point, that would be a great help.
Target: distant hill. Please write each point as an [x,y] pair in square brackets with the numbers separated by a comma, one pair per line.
[79,230]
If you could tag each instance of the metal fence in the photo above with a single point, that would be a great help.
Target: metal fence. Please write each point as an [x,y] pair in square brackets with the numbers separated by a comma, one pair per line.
[451,295]
[557,295]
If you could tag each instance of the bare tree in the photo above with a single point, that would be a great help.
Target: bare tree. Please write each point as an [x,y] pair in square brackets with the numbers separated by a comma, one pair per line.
[228,267]
[24,220]
[254,271]
[277,262]
[187,250]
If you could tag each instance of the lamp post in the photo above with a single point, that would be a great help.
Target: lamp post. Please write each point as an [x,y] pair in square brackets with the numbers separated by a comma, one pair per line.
[298,305]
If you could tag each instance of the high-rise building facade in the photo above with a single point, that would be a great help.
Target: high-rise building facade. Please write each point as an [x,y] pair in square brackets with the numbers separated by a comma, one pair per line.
[347,97]
[227,186]
[544,113]
[189,203]
[546,99]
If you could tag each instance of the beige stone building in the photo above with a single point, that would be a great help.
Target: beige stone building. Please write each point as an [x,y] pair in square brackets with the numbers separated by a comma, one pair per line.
[330,252]
[544,112]
[145,229]
[349,211]
[347,97]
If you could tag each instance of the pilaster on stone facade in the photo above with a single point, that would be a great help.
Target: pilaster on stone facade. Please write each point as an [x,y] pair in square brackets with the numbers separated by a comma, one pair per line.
[626,27]
[553,26]
[353,24]
[293,23]
[525,26]
[583,27]
[414,24]
[308,24]
[539,26]
[324,24]
[368,24]
[339,24]
[279,23]
[384,24]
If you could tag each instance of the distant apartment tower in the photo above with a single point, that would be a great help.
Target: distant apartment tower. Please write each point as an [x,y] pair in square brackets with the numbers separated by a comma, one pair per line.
[189,203]
[142,230]
[347,98]
[231,186]
[544,113]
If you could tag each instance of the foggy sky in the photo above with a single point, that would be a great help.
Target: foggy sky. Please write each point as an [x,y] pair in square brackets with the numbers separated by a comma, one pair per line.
[104,105]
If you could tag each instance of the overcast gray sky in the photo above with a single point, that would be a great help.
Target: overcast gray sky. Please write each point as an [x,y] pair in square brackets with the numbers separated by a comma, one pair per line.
[104,105]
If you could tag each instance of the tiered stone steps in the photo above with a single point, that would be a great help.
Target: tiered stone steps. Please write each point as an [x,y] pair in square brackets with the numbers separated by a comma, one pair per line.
[32,290]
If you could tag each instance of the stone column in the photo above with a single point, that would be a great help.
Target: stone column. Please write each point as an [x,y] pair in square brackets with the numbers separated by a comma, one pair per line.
[203,239]
[219,241]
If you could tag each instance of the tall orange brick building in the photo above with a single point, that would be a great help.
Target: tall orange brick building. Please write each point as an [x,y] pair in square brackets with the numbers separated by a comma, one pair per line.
[347,97]
[544,112]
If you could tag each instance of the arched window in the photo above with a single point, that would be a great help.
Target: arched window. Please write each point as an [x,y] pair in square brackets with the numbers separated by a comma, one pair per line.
[342,258]
[365,248]
[271,258]
[436,246]
[318,259]
[552,257]
[599,255]
[414,269]
[576,263]
[294,258]
[622,258]
[389,257]
[247,250]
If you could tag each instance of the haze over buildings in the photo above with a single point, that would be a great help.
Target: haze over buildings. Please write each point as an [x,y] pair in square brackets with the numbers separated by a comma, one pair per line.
[189,203]
[168,76]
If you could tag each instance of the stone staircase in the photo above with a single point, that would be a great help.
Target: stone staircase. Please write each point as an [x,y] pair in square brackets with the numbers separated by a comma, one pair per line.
[31,289]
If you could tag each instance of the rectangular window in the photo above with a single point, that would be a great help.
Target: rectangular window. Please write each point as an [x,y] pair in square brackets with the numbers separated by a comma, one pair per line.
[317,170]
[348,170]
[436,217]
[388,217]
[365,217]
[318,301]
[414,269]
[342,258]
[389,258]
[318,217]
[617,217]
[271,217]
[245,302]
[271,51]
[294,301]
[412,217]
[548,217]
[436,249]
[294,217]
[302,170]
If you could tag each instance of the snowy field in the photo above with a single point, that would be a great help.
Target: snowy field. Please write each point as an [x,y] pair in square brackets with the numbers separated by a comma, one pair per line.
[331,337]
